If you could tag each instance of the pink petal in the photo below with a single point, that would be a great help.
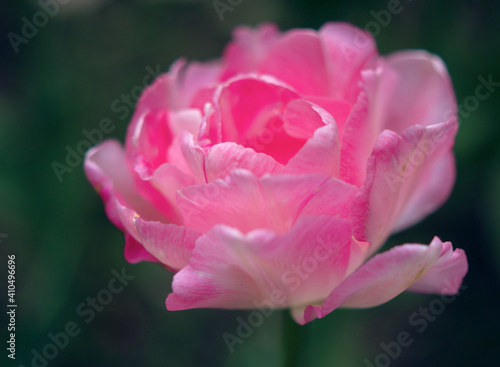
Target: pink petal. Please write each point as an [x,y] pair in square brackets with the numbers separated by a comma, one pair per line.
[195,77]
[361,131]
[158,97]
[149,143]
[167,179]
[446,275]
[302,118]
[108,178]
[148,149]
[107,171]
[224,157]
[170,244]
[248,49]
[398,173]
[338,109]
[438,179]
[248,111]
[135,252]
[424,94]
[348,50]
[194,156]
[150,135]
[321,154]
[261,269]
[388,274]
[188,119]
[246,202]
[247,104]
[406,89]
[298,59]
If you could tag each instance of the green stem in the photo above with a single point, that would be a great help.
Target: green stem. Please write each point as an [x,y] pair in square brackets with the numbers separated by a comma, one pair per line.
[292,339]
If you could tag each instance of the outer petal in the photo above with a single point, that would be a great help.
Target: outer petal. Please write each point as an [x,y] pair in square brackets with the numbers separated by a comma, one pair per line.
[446,275]
[149,143]
[147,238]
[158,97]
[362,128]
[150,136]
[398,171]
[406,89]
[170,244]
[348,50]
[248,49]
[261,269]
[107,171]
[423,95]
[388,274]
[298,59]
[157,122]
[438,179]
[195,78]
[135,252]
[246,202]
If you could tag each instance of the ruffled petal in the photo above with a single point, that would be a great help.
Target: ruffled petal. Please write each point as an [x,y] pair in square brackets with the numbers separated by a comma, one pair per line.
[398,174]
[261,269]
[245,202]
[446,276]
[223,158]
[170,244]
[388,274]
[406,89]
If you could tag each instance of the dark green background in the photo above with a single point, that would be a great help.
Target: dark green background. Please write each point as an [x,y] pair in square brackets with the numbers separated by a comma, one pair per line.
[65,79]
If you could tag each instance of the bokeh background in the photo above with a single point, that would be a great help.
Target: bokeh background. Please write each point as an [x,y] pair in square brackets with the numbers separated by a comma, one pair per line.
[64,80]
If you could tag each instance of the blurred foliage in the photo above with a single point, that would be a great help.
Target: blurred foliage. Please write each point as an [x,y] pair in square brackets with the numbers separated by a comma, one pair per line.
[90,53]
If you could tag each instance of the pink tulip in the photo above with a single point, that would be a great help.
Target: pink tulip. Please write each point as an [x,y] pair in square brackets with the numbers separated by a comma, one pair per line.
[273,176]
